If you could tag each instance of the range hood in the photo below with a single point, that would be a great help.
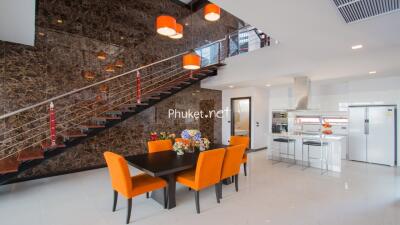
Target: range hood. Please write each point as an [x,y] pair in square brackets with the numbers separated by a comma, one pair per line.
[301,92]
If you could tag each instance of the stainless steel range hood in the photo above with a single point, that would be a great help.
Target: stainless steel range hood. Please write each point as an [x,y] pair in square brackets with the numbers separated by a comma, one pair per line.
[301,92]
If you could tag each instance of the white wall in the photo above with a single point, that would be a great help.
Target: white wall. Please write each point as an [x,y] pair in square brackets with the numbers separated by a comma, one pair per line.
[259,109]
[17,21]
[329,95]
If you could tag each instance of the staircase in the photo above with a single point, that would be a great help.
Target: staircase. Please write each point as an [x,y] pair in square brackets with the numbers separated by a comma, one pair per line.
[25,135]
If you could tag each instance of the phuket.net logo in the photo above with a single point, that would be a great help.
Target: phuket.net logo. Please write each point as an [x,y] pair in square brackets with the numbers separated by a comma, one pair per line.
[189,114]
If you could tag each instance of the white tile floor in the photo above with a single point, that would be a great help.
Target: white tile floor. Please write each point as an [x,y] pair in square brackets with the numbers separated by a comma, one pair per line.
[362,194]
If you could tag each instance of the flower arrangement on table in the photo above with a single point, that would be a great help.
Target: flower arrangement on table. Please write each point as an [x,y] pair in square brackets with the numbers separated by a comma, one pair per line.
[180,147]
[162,136]
[194,141]
[203,144]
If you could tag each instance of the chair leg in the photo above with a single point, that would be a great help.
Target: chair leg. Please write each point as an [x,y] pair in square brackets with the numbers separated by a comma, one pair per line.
[245,169]
[196,196]
[128,216]
[115,201]
[217,192]
[220,190]
[147,195]
[237,183]
[189,189]
[165,198]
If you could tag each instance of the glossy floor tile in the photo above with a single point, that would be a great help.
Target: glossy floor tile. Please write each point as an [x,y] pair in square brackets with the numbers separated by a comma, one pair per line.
[272,194]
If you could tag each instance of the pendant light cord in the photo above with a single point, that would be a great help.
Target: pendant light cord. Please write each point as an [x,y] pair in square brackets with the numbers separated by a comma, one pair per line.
[191,21]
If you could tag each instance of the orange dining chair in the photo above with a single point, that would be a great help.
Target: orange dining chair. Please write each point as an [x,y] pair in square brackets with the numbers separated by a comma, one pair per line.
[241,140]
[206,173]
[231,165]
[128,186]
[159,145]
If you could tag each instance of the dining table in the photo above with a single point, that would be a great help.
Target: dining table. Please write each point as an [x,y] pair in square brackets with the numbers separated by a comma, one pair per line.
[166,164]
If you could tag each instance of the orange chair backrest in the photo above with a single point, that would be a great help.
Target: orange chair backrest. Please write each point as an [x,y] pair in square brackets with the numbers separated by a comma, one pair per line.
[232,161]
[239,140]
[186,141]
[208,168]
[159,145]
[120,177]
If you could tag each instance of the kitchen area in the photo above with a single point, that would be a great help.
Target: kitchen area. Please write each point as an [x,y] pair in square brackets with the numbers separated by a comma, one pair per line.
[325,139]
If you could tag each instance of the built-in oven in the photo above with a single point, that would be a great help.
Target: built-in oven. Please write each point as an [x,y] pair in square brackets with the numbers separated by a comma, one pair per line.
[279,122]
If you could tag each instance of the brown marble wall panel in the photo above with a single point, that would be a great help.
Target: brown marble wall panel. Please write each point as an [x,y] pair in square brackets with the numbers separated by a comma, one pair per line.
[124,30]
[130,137]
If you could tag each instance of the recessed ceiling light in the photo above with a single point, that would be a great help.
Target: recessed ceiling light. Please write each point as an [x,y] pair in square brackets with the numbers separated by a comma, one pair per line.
[60,21]
[268,85]
[231,86]
[372,72]
[354,47]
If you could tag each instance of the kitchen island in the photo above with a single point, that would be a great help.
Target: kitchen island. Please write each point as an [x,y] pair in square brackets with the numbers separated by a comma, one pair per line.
[334,147]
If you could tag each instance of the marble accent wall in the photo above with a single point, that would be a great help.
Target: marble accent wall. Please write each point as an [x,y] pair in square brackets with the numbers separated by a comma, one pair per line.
[131,136]
[124,30]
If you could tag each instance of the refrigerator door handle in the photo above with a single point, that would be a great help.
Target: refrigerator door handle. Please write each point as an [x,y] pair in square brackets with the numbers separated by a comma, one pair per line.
[366,127]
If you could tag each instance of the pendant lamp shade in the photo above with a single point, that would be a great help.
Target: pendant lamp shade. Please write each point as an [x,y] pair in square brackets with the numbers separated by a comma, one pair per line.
[166,25]
[191,61]
[179,32]
[212,12]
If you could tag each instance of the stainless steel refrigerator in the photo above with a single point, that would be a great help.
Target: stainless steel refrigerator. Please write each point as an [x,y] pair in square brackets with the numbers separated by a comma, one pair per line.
[372,134]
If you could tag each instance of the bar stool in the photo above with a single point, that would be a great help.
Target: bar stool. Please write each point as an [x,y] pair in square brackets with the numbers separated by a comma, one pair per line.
[324,148]
[287,141]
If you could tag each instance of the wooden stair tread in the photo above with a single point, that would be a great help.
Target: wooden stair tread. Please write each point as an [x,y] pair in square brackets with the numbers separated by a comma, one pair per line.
[92,125]
[114,112]
[31,154]
[107,117]
[154,98]
[9,165]
[47,145]
[73,134]
[127,110]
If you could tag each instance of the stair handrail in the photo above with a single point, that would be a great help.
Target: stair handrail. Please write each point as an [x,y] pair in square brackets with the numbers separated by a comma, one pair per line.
[4,116]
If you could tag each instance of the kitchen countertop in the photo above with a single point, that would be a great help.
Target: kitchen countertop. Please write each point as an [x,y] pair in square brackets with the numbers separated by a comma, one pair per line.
[322,137]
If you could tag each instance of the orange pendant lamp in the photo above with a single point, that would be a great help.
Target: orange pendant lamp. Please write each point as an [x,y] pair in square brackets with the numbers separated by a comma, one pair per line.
[166,25]
[179,32]
[191,61]
[212,12]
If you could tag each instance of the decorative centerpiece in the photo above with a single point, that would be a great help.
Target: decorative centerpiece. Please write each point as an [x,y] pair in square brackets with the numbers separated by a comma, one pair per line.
[162,136]
[203,144]
[327,129]
[153,136]
[180,148]
[193,136]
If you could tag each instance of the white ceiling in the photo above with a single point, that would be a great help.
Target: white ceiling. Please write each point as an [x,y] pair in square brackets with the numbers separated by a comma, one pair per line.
[17,21]
[314,41]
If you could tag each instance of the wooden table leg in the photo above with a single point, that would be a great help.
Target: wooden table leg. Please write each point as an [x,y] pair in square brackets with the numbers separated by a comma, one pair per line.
[158,195]
[171,190]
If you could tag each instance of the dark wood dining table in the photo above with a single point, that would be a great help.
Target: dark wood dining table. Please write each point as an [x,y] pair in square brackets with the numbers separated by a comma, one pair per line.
[165,165]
